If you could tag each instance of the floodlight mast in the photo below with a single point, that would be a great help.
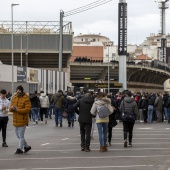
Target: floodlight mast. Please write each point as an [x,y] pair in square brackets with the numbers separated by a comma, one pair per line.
[162,5]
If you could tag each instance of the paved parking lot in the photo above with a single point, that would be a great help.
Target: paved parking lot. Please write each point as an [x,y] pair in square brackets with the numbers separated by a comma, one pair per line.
[59,148]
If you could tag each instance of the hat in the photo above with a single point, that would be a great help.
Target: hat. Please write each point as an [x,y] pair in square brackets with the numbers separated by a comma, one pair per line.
[20,88]
[3,91]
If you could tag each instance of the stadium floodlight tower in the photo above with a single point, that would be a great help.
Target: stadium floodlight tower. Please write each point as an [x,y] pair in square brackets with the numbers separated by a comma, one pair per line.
[162,5]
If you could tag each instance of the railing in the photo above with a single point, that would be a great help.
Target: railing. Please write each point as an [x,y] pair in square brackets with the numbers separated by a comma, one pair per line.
[32,27]
[154,64]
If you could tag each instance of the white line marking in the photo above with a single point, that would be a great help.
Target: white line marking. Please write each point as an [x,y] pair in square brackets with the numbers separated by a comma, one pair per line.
[65,139]
[85,157]
[145,128]
[45,144]
[123,149]
[100,167]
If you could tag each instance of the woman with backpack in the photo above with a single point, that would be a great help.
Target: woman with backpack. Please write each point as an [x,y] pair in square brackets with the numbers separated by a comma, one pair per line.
[129,111]
[102,109]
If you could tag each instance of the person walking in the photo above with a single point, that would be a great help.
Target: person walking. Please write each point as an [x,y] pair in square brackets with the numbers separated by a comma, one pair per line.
[70,101]
[44,105]
[82,108]
[4,105]
[20,106]
[112,120]
[35,104]
[129,107]
[59,102]
[102,123]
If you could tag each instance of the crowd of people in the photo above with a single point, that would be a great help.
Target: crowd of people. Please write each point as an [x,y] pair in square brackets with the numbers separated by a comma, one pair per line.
[104,110]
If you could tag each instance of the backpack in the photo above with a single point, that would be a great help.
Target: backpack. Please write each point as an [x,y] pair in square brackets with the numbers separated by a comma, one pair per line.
[103,111]
[127,116]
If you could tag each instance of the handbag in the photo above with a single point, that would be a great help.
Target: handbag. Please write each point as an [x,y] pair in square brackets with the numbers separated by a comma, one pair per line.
[127,116]
[65,114]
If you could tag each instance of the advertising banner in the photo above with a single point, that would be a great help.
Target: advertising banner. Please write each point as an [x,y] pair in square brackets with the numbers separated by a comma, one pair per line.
[21,74]
[122,29]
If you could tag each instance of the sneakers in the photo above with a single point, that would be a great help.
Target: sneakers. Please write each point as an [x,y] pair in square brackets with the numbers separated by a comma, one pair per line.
[4,144]
[36,121]
[125,143]
[18,151]
[45,121]
[26,149]
[130,144]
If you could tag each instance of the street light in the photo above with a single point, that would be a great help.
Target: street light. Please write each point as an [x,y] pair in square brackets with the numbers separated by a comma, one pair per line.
[108,79]
[12,48]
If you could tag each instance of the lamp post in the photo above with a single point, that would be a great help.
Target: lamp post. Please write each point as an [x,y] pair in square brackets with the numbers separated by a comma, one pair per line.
[21,50]
[108,80]
[12,48]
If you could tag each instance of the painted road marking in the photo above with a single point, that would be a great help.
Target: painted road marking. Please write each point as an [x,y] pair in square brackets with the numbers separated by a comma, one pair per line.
[45,144]
[102,167]
[84,157]
[65,139]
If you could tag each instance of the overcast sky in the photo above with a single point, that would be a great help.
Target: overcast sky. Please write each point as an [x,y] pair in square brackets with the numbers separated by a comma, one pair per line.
[143,16]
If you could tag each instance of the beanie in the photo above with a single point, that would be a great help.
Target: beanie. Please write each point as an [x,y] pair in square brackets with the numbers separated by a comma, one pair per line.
[20,88]
[3,91]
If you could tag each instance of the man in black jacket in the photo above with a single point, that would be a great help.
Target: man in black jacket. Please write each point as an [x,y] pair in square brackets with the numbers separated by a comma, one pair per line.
[85,120]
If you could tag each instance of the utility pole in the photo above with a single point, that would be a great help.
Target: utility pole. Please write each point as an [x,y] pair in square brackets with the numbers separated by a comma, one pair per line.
[61,41]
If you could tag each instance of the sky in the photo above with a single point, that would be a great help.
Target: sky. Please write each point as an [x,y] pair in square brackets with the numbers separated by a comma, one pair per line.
[143,16]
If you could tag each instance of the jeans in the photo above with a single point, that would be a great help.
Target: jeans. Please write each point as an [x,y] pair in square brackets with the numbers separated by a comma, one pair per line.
[166,113]
[20,131]
[102,130]
[34,112]
[51,110]
[150,114]
[70,117]
[58,115]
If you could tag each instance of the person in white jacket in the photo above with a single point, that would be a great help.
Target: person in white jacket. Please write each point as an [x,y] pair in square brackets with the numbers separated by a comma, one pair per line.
[44,103]
[4,105]
[102,123]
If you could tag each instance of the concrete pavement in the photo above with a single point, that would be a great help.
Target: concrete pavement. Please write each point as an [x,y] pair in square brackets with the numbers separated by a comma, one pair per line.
[59,148]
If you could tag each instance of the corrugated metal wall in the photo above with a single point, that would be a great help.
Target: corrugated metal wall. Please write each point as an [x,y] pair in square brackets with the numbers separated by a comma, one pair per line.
[36,42]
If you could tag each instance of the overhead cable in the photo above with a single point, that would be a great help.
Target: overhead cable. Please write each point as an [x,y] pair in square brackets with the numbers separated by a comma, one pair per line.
[86,7]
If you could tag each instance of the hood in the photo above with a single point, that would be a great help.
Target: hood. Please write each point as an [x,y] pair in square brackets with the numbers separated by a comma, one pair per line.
[71,98]
[129,99]
[103,100]
[88,99]
[43,95]
[59,94]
